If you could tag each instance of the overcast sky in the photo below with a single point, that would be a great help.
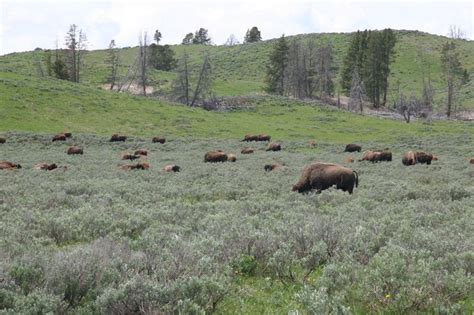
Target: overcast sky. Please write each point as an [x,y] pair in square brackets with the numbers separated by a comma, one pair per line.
[27,24]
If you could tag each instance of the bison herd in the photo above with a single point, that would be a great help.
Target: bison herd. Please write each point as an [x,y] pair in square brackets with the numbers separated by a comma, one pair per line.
[317,176]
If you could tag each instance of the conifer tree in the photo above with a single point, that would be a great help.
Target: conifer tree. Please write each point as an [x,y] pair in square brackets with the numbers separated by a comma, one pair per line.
[275,76]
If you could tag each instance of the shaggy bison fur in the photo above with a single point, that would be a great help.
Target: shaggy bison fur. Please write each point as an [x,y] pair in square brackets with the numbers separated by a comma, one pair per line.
[131,157]
[377,156]
[262,137]
[74,150]
[158,140]
[117,138]
[352,148]
[321,176]
[141,152]
[414,157]
[138,166]
[6,165]
[45,166]
[215,156]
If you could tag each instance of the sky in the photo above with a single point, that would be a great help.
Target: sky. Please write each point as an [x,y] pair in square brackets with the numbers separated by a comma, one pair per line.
[28,24]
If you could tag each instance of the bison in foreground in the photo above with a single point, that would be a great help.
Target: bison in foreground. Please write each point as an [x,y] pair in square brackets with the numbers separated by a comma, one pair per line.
[413,157]
[352,148]
[74,150]
[321,176]
[171,168]
[158,140]
[215,156]
[6,165]
[117,138]
[273,147]
[377,156]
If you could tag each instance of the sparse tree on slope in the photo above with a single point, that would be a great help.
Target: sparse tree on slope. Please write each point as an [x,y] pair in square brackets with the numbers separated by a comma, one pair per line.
[188,39]
[201,37]
[76,45]
[452,72]
[253,35]
[275,76]
[112,61]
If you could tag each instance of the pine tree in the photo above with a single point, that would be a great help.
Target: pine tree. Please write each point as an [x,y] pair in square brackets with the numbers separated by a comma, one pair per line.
[452,72]
[275,76]
[253,35]
[112,61]
[188,39]
[201,37]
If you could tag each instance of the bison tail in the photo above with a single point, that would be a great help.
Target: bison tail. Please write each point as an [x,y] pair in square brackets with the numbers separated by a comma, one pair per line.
[356,178]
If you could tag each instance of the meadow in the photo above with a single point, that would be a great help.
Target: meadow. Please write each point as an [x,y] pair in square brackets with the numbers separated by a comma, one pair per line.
[230,238]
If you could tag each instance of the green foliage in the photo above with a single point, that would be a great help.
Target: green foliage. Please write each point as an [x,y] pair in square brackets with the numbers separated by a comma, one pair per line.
[276,67]
[253,35]
[188,39]
[201,37]
[162,57]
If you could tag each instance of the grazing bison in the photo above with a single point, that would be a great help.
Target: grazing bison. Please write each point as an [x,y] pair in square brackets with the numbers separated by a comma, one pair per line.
[271,167]
[138,166]
[321,176]
[131,157]
[74,150]
[45,166]
[231,157]
[59,137]
[141,152]
[215,156]
[471,160]
[376,156]
[171,168]
[262,137]
[412,158]
[273,147]
[158,140]
[352,148]
[117,138]
[3,140]
[6,165]
[247,150]
[67,134]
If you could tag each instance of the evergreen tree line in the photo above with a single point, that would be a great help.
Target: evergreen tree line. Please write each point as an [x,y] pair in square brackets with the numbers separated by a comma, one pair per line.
[300,69]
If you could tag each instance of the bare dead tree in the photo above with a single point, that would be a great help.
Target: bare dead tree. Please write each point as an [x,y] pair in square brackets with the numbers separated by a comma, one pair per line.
[408,107]
[324,73]
[356,95]
[455,32]
[232,40]
[143,44]
[76,42]
[203,85]
[181,86]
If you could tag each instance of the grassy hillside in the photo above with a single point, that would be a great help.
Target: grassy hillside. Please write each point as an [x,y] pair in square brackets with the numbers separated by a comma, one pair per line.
[50,105]
[240,69]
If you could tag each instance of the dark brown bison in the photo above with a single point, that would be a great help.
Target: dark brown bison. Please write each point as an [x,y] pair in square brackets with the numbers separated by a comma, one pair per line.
[117,138]
[67,134]
[352,148]
[74,150]
[171,168]
[273,147]
[471,160]
[271,167]
[59,137]
[158,140]
[320,176]
[376,156]
[3,140]
[412,158]
[215,156]
[45,166]
[262,137]
[231,157]
[247,150]
[131,157]
[138,166]
[141,152]
[6,165]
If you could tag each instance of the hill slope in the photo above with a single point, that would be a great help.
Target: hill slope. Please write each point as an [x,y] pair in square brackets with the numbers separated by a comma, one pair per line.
[50,105]
[240,69]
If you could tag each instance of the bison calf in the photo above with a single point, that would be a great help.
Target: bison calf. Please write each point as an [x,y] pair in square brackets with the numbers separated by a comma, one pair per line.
[59,137]
[321,176]
[247,150]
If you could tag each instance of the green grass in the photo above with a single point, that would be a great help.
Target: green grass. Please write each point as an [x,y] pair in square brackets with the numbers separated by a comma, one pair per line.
[240,69]
[49,105]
